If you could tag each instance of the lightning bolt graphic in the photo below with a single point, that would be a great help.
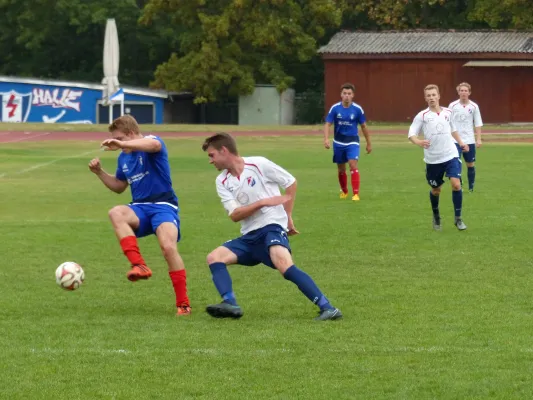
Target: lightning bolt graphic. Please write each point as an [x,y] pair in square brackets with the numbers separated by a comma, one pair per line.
[12,105]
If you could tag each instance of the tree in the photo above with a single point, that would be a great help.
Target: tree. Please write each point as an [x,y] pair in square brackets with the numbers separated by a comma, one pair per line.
[64,39]
[503,14]
[227,46]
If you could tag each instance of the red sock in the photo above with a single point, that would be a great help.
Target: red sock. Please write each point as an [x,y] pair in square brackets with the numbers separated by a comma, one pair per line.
[356,181]
[131,250]
[179,281]
[343,181]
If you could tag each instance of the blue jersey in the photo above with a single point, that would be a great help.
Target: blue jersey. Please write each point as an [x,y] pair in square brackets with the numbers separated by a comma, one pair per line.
[148,175]
[345,120]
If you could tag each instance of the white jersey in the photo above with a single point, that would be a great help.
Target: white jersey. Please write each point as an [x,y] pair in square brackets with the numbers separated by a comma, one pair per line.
[437,128]
[466,117]
[260,179]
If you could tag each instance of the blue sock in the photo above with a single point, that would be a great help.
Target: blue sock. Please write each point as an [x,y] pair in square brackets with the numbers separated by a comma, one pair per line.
[434,203]
[222,282]
[457,197]
[307,286]
[471,177]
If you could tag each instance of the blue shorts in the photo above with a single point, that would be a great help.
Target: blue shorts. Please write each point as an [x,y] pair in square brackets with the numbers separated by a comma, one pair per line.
[153,215]
[341,154]
[470,155]
[435,172]
[253,248]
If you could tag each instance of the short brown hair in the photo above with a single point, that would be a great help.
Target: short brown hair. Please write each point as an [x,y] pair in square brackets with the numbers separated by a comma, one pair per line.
[348,85]
[125,124]
[219,140]
[466,85]
[430,87]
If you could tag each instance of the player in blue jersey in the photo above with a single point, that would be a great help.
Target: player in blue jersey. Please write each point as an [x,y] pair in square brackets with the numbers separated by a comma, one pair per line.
[143,165]
[345,116]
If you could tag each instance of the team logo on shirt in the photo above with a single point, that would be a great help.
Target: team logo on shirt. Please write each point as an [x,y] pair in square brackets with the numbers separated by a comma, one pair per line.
[251,181]
[439,127]
[243,198]
[125,168]
[339,116]
[352,116]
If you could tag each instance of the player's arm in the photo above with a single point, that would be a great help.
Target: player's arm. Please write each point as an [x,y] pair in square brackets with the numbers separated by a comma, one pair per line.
[327,127]
[147,144]
[458,139]
[478,123]
[414,131]
[287,182]
[364,128]
[238,213]
[330,118]
[111,182]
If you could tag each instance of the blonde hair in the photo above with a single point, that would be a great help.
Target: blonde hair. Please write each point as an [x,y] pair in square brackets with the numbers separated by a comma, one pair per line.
[431,87]
[125,124]
[466,85]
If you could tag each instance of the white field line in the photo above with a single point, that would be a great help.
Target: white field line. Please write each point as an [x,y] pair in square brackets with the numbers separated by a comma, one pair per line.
[273,351]
[46,164]
[26,137]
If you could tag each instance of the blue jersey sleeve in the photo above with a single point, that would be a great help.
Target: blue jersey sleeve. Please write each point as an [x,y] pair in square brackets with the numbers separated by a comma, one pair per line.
[362,118]
[120,175]
[330,118]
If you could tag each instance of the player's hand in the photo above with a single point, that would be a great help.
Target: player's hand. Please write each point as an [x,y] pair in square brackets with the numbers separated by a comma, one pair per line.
[291,228]
[478,144]
[111,144]
[424,144]
[326,143]
[368,148]
[95,166]
[276,200]
[465,148]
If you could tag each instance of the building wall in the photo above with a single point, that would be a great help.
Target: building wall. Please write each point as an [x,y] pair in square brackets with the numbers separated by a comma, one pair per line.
[266,106]
[392,90]
[24,102]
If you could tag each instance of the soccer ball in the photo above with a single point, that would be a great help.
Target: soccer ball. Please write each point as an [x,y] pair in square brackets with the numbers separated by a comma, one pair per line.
[69,275]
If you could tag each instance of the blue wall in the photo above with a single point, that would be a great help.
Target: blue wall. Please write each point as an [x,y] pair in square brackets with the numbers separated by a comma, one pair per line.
[24,102]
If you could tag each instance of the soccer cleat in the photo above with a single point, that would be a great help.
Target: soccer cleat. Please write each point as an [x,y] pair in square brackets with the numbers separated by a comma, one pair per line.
[471,190]
[139,272]
[355,197]
[183,310]
[460,224]
[224,310]
[343,195]
[330,314]
[436,224]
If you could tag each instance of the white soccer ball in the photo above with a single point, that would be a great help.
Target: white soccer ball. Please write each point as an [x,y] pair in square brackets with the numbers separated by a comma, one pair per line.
[70,275]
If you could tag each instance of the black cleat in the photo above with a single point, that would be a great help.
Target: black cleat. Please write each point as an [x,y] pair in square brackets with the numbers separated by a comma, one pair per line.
[224,310]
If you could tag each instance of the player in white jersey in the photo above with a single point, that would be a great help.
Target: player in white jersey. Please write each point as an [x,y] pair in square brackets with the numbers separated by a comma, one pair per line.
[467,118]
[440,154]
[249,190]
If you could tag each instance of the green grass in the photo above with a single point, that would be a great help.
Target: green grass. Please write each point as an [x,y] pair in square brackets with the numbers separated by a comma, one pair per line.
[374,126]
[428,315]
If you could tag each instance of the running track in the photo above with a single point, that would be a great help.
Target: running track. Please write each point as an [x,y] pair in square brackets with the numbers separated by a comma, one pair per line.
[33,136]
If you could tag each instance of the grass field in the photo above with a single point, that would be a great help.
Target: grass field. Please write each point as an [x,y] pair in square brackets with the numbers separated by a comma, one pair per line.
[428,315]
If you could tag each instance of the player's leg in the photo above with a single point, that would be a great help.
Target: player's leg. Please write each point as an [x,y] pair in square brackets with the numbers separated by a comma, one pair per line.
[128,223]
[232,252]
[168,235]
[461,154]
[339,158]
[281,259]
[434,177]
[343,180]
[453,171]
[352,153]
[470,158]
